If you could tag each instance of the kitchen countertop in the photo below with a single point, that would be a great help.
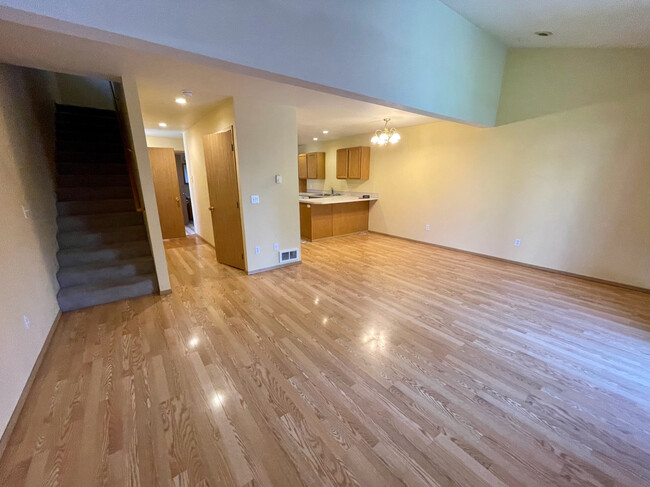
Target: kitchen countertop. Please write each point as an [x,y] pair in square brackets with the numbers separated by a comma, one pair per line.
[331,200]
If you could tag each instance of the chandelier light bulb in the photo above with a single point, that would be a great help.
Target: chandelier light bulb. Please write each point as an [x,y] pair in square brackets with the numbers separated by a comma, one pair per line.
[382,137]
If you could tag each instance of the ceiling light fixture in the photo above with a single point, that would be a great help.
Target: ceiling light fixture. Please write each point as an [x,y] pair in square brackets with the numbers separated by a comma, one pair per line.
[326,131]
[162,125]
[543,33]
[382,137]
[315,138]
[182,100]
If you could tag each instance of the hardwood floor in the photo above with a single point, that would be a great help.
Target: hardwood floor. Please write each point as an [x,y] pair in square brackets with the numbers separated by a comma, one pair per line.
[376,362]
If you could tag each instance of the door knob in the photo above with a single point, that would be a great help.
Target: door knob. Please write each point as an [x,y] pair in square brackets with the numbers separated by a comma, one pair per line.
[178,201]
[211,208]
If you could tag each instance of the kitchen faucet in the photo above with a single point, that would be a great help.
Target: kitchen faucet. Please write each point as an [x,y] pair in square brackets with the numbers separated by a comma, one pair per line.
[332,190]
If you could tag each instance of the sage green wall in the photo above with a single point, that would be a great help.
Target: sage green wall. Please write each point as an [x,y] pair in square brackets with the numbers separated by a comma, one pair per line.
[418,53]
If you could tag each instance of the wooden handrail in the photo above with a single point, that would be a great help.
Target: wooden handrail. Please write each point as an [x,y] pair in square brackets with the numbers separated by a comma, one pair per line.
[129,155]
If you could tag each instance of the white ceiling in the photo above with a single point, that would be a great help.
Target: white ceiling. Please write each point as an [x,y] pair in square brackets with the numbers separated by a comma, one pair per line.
[574,23]
[162,77]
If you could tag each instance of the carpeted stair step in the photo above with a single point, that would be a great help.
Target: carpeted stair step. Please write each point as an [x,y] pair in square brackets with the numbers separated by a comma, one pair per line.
[69,240]
[102,193]
[103,271]
[104,254]
[89,207]
[92,180]
[88,145]
[77,297]
[77,168]
[66,157]
[72,223]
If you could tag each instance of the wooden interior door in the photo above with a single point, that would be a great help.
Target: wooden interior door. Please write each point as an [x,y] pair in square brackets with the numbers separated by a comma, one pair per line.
[223,189]
[168,195]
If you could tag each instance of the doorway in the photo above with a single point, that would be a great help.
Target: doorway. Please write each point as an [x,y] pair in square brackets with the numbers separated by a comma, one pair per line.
[171,185]
[223,190]
[184,186]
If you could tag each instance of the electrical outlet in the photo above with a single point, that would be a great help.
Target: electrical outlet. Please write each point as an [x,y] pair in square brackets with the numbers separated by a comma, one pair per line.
[26,321]
[427,228]
[276,246]
[257,250]
[278,179]
[255,199]
[517,242]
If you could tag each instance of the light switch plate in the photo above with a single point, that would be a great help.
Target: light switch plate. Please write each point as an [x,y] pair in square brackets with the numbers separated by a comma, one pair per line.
[278,179]
[255,199]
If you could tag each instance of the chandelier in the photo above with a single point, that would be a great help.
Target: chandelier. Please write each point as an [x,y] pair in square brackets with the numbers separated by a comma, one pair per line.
[383,137]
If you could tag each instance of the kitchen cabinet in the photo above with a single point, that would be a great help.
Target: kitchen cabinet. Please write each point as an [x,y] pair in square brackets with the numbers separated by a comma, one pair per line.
[342,164]
[353,163]
[316,165]
[311,165]
[323,221]
[302,166]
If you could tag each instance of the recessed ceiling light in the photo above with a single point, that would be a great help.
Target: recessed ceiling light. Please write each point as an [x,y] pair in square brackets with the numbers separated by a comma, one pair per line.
[315,138]
[543,33]
[162,124]
[326,131]
[181,100]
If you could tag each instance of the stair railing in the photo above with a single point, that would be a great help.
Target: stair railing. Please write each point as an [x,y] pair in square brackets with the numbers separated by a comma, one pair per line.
[127,143]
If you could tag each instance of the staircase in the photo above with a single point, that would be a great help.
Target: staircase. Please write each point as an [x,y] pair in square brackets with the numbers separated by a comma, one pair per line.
[104,254]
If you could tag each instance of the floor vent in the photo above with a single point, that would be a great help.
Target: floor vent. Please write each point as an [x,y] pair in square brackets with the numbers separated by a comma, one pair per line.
[288,255]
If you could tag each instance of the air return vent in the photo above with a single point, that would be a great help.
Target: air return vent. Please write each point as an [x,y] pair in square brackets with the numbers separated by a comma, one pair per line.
[288,255]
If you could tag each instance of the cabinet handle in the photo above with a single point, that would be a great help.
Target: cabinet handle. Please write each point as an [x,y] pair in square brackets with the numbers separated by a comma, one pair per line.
[211,208]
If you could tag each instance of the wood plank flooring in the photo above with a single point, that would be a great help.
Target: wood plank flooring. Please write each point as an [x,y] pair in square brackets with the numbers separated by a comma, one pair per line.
[376,362]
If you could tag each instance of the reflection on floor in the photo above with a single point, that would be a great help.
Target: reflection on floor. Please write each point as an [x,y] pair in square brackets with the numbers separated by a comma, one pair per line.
[376,362]
[189,229]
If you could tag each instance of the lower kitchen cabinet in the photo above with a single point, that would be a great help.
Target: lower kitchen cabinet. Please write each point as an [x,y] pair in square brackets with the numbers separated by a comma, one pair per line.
[323,221]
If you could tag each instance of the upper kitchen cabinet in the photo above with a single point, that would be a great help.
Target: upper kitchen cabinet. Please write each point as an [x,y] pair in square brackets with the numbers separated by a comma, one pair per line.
[342,163]
[353,163]
[315,165]
[302,166]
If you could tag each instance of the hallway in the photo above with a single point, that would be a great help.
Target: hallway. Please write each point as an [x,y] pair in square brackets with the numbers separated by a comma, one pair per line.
[377,361]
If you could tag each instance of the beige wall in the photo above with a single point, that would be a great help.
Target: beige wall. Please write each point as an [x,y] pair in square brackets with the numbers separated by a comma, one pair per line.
[131,102]
[265,145]
[28,246]
[175,143]
[267,142]
[573,185]
[222,117]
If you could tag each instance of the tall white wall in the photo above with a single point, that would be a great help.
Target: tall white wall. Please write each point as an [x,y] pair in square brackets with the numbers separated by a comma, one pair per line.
[418,54]
[28,246]
[569,174]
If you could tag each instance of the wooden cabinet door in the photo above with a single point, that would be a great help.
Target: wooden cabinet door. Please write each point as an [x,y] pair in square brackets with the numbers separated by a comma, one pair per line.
[342,164]
[320,165]
[312,166]
[365,163]
[354,163]
[302,166]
